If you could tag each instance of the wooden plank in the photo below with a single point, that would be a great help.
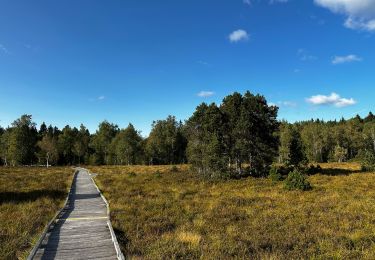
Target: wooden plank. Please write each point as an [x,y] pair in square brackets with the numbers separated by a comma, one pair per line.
[82,230]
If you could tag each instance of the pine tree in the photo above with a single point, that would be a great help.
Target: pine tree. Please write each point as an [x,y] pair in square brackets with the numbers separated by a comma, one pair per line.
[22,141]
[296,153]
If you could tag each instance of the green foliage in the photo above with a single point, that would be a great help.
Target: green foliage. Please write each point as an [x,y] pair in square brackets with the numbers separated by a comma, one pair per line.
[340,153]
[81,144]
[166,143]
[274,174]
[22,141]
[238,137]
[126,147]
[49,152]
[296,152]
[66,144]
[297,181]
[368,161]
[101,141]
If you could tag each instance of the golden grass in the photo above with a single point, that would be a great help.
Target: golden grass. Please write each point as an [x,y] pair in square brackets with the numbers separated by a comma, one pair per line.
[29,198]
[160,214]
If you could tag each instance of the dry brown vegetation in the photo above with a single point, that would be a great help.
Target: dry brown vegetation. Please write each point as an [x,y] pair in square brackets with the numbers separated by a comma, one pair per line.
[160,213]
[29,198]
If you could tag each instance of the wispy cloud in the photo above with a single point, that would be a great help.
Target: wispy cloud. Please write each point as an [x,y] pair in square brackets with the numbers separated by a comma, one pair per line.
[284,104]
[304,55]
[287,103]
[345,59]
[278,1]
[250,2]
[204,63]
[204,94]
[247,2]
[360,14]
[238,35]
[97,99]
[3,49]
[333,99]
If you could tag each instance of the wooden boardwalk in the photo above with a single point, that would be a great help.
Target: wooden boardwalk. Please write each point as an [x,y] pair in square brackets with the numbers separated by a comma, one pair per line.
[82,230]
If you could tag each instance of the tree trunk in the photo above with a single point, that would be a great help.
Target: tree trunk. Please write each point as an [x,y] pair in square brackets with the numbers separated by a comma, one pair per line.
[47,158]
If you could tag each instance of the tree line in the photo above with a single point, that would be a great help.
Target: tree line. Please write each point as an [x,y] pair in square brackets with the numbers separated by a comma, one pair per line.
[328,141]
[241,136]
[23,144]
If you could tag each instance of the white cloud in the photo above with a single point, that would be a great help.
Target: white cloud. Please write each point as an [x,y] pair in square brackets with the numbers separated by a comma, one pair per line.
[101,97]
[333,99]
[360,24]
[304,55]
[360,14]
[345,59]
[205,94]
[4,50]
[238,35]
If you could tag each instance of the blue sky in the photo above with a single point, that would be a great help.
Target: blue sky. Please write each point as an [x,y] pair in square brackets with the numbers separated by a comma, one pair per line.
[72,62]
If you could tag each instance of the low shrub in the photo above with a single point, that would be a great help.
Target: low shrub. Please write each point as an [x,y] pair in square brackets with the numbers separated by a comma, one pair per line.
[274,174]
[296,180]
[368,161]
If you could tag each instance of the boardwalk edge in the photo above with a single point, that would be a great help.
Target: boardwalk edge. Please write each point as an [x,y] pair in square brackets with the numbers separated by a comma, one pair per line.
[120,255]
[46,229]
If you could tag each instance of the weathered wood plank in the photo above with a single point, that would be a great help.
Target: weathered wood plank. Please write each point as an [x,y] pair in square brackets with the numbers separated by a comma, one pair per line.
[82,229]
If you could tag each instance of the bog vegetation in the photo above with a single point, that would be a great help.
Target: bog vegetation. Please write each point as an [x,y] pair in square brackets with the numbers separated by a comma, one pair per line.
[239,137]
[159,212]
[29,198]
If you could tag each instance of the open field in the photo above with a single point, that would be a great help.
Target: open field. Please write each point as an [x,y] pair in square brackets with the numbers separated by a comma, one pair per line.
[159,213]
[29,198]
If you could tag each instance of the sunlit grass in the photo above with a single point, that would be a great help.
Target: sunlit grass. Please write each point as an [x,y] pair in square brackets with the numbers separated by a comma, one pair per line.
[29,198]
[159,213]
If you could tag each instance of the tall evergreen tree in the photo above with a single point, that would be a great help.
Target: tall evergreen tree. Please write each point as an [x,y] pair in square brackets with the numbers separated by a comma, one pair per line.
[66,142]
[81,144]
[22,141]
[101,142]
[296,152]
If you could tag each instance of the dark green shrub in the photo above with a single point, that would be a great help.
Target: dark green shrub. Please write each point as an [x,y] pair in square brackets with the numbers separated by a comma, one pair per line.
[297,181]
[368,161]
[274,174]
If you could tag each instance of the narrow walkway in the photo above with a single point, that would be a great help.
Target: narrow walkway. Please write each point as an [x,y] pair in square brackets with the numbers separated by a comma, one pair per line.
[81,230]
